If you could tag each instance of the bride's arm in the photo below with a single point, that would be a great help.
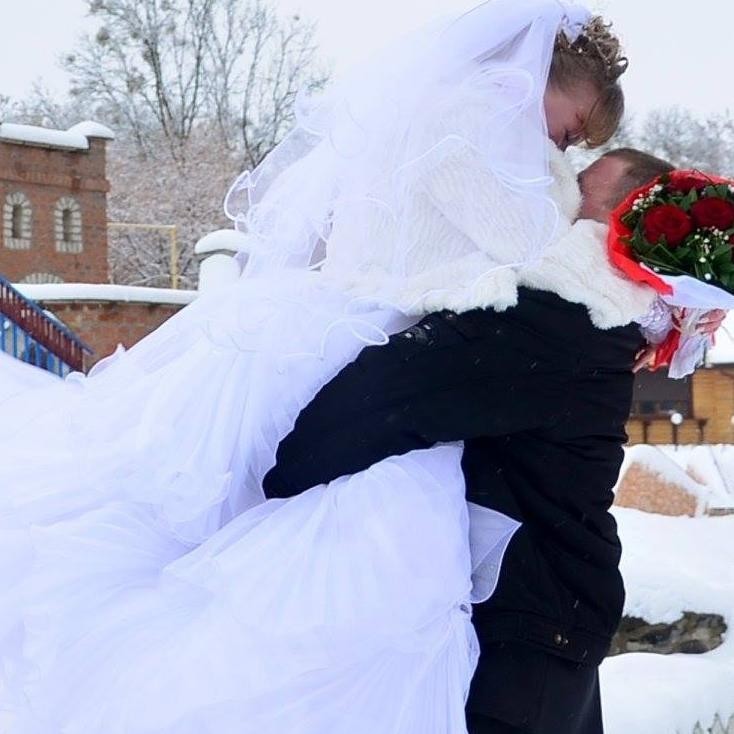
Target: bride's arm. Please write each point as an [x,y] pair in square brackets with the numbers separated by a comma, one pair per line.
[483,196]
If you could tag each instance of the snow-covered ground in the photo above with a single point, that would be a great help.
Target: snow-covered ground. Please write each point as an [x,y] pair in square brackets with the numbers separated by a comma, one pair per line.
[673,565]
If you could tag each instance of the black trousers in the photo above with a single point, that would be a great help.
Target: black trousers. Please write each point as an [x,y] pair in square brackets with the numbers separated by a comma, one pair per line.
[519,689]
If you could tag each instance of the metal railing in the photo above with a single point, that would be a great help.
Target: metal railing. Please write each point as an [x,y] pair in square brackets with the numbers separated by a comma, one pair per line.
[31,335]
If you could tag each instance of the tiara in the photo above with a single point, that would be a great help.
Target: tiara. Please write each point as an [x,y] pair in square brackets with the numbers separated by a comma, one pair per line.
[595,39]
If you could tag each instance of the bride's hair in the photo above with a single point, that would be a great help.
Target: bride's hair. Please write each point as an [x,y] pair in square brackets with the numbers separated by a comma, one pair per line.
[595,58]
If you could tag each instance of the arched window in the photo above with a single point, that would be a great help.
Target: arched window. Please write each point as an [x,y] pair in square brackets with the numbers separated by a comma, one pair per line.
[17,221]
[41,278]
[17,224]
[68,225]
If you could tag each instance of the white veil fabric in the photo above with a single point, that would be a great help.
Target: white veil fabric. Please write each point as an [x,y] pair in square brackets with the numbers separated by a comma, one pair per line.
[370,140]
[136,543]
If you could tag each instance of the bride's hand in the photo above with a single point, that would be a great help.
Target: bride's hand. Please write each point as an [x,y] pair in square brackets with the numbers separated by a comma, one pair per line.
[644,358]
[711,322]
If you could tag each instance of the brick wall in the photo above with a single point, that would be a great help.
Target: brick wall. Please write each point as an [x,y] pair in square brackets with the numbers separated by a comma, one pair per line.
[643,489]
[713,398]
[104,325]
[713,401]
[45,176]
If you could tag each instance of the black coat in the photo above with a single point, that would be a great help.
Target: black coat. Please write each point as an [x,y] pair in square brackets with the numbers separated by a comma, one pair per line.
[540,397]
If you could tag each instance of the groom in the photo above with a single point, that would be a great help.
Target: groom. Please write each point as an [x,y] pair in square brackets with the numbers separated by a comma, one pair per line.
[540,398]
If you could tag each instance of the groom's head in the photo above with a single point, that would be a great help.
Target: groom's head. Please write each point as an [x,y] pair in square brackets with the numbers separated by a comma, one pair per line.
[613,177]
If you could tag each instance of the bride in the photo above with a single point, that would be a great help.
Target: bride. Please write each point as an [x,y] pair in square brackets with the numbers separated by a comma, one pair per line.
[146,587]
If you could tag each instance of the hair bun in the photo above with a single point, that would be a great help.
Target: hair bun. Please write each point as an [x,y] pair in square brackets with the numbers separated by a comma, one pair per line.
[596,40]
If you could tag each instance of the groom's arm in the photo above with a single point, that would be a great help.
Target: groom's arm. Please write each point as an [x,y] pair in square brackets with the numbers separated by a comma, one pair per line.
[451,378]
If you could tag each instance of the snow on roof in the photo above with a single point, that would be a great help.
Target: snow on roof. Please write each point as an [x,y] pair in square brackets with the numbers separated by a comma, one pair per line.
[711,464]
[75,138]
[672,565]
[91,129]
[104,292]
[658,462]
[723,351]
[223,239]
[714,465]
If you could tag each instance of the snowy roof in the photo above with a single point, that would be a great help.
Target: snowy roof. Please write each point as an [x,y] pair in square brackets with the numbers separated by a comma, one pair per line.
[75,138]
[92,129]
[723,352]
[223,239]
[104,292]
[709,464]
[658,462]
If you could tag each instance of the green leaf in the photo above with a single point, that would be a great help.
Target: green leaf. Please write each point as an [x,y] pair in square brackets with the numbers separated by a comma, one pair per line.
[689,199]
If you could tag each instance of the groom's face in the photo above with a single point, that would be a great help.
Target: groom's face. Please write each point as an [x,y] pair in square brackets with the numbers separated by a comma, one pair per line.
[601,185]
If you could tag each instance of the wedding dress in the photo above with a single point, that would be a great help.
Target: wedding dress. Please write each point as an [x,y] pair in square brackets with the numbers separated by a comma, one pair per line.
[146,587]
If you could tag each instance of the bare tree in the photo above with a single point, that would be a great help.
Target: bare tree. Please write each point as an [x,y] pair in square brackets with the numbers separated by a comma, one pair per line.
[159,190]
[678,135]
[689,141]
[166,66]
[196,90]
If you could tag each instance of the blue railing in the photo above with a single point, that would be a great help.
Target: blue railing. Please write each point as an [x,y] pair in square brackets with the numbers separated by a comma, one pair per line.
[31,335]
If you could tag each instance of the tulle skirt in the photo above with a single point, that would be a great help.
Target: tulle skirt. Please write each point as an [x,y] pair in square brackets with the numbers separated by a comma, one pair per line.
[146,587]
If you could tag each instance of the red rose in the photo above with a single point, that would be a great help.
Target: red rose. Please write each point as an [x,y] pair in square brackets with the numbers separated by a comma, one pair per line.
[667,221]
[713,212]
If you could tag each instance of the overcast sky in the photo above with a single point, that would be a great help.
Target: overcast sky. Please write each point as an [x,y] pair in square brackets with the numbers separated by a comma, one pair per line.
[680,52]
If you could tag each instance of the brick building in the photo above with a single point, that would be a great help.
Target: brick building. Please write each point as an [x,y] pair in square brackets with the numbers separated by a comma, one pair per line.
[53,192]
[703,404]
[53,241]
[106,315]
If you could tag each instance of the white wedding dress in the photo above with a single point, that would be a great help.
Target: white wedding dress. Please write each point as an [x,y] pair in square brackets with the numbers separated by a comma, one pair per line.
[146,587]
[139,594]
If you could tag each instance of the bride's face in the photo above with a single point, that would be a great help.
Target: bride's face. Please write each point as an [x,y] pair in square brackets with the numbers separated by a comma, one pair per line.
[567,112]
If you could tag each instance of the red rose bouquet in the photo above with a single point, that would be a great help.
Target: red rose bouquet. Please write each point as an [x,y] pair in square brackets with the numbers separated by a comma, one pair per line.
[677,235]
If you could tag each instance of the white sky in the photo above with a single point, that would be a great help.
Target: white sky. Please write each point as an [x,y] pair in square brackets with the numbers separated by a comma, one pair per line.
[680,53]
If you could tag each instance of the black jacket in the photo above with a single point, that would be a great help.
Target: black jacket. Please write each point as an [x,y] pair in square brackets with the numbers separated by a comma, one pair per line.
[540,397]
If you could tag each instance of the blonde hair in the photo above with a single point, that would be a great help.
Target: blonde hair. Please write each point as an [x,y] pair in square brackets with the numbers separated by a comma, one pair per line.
[594,58]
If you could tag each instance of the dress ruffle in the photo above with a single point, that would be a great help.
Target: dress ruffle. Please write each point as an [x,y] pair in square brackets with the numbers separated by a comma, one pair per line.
[146,587]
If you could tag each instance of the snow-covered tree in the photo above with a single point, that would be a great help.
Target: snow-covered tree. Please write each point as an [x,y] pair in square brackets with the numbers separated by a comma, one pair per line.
[156,189]
[158,69]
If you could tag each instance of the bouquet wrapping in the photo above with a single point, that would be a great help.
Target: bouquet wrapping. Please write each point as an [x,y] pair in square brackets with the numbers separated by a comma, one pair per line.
[676,235]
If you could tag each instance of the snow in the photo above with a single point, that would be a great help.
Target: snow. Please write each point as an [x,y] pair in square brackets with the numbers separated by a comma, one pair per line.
[657,694]
[218,271]
[104,292]
[91,129]
[673,565]
[712,465]
[658,462]
[223,239]
[723,352]
[75,138]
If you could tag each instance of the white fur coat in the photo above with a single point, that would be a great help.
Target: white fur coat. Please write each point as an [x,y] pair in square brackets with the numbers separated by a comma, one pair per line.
[468,236]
